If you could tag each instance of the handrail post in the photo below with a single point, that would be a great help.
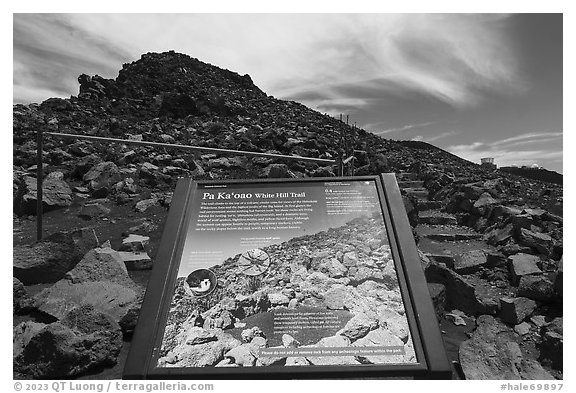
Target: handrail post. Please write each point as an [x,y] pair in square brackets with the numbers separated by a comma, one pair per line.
[39,176]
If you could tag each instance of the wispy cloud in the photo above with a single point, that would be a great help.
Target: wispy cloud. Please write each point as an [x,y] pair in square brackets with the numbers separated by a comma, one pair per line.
[350,58]
[50,52]
[396,129]
[528,138]
[453,58]
[436,137]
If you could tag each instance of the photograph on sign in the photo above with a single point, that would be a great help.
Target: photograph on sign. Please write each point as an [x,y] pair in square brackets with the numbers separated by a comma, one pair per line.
[286,274]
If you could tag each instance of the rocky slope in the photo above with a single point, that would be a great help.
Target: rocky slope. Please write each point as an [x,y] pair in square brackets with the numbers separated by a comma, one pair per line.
[119,190]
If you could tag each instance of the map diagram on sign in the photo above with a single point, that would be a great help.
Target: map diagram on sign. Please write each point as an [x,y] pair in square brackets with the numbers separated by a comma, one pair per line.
[254,262]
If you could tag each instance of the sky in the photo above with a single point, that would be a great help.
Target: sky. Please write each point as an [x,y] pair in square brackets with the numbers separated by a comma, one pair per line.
[477,85]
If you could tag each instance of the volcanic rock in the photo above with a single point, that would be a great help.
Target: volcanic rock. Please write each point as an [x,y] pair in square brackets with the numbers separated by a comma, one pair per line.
[49,259]
[289,342]
[278,299]
[492,353]
[551,348]
[332,341]
[82,340]
[248,334]
[145,204]
[197,335]
[102,177]
[199,355]
[538,241]
[128,185]
[515,310]
[483,202]
[84,164]
[100,280]
[522,265]
[522,328]
[470,262]
[559,280]
[56,194]
[382,337]
[537,287]
[277,171]
[136,260]
[22,333]
[20,299]
[438,296]
[460,293]
[358,327]
[93,209]
[135,242]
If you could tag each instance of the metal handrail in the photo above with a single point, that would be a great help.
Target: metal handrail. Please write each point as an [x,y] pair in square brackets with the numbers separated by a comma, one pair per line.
[192,148]
[39,168]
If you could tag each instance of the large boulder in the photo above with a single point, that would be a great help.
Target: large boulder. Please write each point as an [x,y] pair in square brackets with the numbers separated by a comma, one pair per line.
[492,353]
[49,259]
[100,280]
[84,339]
[56,194]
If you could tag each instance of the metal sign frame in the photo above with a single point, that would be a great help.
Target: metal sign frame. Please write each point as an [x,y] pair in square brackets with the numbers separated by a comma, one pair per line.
[428,345]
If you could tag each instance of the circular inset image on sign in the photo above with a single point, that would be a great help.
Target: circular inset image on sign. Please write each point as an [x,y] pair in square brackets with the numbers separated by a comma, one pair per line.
[201,282]
[254,262]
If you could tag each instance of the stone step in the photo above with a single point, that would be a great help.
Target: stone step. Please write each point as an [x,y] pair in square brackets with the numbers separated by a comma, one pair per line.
[411,184]
[436,218]
[445,259]
[429,205]
[453,237]
[421,194]
[404,176]
[135,260]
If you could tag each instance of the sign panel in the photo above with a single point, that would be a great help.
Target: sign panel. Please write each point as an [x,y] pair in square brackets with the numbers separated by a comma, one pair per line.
[275,277]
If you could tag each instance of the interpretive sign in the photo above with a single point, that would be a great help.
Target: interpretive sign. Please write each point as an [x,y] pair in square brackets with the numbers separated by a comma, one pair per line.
[287,278]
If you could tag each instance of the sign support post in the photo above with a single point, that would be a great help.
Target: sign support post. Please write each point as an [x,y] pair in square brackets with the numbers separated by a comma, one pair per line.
[39,178]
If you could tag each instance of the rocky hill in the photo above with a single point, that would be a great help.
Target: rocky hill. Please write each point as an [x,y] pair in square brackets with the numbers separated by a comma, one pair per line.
[536,173]
[120,190]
